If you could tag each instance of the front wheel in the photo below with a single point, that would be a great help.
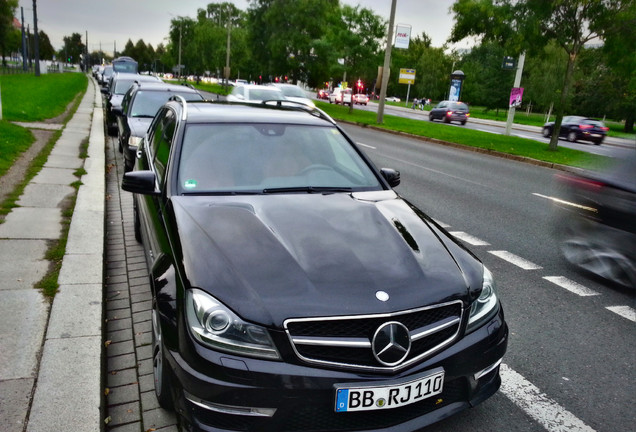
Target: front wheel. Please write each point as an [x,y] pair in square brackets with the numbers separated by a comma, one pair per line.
[546,132]
[572,136]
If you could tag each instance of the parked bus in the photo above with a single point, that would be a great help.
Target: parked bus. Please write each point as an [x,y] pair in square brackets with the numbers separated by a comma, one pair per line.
[125,64]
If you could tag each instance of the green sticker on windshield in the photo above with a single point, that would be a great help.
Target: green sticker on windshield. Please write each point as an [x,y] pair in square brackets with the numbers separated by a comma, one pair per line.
[190,184]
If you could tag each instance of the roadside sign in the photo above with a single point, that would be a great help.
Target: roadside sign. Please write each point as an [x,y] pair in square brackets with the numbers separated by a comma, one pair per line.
[407,76]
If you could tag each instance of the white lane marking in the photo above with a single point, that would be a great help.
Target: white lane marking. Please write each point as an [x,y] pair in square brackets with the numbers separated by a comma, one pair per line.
[525,136]
[538,405]
[469,238]
[624,311]
[366,145]
[516,260]
[442,224]
[571,286]
[567,203]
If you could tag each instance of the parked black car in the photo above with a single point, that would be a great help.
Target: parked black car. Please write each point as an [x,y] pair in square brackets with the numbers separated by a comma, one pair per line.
[577,128]
[293,289]
[449,111]
[139,106]
[119,85]
[596,221]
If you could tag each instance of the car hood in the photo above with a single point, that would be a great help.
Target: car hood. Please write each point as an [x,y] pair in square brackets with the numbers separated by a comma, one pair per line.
[138,125]
[273,257]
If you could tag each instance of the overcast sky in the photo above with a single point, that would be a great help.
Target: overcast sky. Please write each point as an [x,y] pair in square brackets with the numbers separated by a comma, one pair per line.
[110,22]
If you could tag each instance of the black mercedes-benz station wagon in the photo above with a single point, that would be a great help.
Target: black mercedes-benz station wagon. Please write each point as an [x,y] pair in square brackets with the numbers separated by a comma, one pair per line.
[293,289]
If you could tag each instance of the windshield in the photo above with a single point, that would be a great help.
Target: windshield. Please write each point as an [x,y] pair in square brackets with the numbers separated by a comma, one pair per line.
[293,91]
[270,158]
[147,103]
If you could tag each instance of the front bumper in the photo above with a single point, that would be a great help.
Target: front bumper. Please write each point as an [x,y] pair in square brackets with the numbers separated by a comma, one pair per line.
[219,392]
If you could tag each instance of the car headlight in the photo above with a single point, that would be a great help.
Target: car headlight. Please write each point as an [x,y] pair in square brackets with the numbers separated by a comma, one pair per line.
[216,326]
[486,305]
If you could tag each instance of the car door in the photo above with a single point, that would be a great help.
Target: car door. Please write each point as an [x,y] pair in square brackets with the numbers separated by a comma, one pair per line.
[155,156]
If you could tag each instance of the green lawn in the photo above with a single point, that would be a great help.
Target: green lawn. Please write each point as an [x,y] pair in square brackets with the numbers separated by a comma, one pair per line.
[472,138]
[29,98]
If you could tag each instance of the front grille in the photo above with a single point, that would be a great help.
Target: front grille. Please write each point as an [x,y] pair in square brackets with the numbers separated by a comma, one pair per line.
[346,342]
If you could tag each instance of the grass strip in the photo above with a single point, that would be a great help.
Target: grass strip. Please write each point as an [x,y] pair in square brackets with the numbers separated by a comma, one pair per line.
[29,98]
[511,145]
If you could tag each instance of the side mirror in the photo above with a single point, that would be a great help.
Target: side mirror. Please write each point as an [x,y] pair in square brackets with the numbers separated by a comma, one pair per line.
[391,176]
[104,90]
[141,182]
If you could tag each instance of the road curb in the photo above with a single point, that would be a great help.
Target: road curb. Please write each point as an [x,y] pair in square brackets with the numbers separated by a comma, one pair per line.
[67,394]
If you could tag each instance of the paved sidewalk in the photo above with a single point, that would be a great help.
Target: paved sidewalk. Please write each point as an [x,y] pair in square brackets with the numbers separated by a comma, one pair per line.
[50,361]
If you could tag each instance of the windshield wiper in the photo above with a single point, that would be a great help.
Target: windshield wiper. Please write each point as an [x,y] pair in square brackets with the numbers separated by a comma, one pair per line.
[307,189]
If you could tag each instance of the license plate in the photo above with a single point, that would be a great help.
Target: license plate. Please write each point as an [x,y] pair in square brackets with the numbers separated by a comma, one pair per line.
[353,397]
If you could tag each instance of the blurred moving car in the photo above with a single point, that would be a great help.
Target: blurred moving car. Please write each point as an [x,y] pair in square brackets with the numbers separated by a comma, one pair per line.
[254,93]
[577,128]
[450,111]
[340,96]
[125,64]
[119,85]
[294,93]
[323,94]
[596,223]
[361,99]
[293,289]
[392,99]
[139,106]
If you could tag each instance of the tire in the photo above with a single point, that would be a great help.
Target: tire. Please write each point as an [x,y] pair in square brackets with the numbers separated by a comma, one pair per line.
[464,122]
[572,136]
[546,132]
[598,142]
[447,120]
[160,369]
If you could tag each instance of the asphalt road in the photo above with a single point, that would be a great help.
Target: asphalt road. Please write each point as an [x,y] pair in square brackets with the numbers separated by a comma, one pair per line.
[570,363]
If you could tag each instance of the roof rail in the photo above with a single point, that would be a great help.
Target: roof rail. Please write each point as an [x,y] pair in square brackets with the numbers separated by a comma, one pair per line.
[181,99]
[299,106]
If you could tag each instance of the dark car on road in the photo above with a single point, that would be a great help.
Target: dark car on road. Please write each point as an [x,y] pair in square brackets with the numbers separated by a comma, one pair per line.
[596,221]
[139,106]
[450,111]
[577,128]
[292,288]
[119,85]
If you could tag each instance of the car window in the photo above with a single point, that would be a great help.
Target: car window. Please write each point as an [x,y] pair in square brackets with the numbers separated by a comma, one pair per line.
[162,141]
[254,157]
[122,86]
[265,94]
[442,104]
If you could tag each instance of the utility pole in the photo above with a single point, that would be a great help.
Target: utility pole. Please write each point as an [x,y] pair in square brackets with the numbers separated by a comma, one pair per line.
[387,63]
[511,110]
[24,50]
[37,40]
[226,72]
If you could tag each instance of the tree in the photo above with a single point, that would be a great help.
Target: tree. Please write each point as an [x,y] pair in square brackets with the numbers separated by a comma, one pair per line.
[7,10]
[531,24]
[285,33]
[487,83]
[73,47]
